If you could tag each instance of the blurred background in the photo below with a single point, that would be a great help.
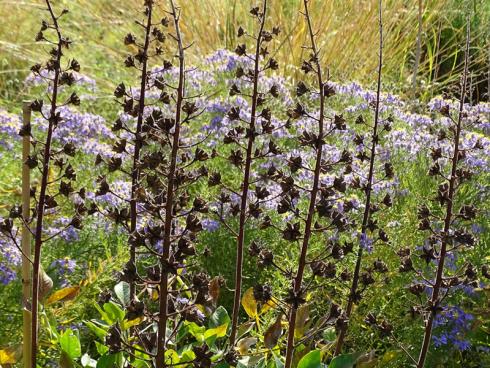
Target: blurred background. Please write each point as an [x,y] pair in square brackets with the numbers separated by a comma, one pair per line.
[423,38]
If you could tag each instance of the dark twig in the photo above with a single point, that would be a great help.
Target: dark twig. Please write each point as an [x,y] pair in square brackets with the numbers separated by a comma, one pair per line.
[435,299]
[368,191]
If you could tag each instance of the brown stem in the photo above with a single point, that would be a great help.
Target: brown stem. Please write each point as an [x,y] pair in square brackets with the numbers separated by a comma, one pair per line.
[135,172]
[366,215]
[311,208]
[434,300]
[42,193]
[163,312]
[26,240]
[246,186]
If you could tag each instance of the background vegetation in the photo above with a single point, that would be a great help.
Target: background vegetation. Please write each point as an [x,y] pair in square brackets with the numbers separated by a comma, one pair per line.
[348,31]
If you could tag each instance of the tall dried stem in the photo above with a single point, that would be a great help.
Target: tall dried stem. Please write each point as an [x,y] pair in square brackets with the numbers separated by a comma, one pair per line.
[368,192]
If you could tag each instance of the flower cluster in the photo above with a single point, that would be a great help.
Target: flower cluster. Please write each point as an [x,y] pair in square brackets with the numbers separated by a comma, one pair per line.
[453,324]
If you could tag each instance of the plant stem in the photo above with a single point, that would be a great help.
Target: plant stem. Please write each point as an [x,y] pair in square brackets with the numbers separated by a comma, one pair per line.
[135,172]
[434,300]
[313,195]
[163,312]
[246,186]
[368,191]
[26,240]
[42,192]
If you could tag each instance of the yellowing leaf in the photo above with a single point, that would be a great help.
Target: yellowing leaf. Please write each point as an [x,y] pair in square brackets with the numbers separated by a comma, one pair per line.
[273,333]
[301,318]
[45,284]
[249,303]
[128,324]
[219,331]
[7,356]
[271,304]
[171,357]
[244,344]
[214,289]
[63,295]
[389,356]
[367,360]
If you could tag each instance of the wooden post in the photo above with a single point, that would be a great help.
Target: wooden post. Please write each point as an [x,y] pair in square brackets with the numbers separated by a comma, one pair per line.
[26,240]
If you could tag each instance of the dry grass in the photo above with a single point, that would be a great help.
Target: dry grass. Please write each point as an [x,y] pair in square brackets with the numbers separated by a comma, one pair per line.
[347,29]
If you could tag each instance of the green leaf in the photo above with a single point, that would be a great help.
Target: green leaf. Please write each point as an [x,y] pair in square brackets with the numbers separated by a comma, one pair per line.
[223,365]
[311,360]
[197,331]
[344,360]
[187,356]
[98,331]
[114,312]
[101,348]
[278,361]
[70,344]
[219,318]
[138,363]
[122,292]
[106,361]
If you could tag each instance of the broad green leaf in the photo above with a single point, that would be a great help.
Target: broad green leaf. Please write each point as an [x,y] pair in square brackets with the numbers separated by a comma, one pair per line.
[197,331]
[98,331]
[249,303]
[182,332]
[106,361]
[114,312]
[103,314]
[101,348]
[122,292]
[344,360]
[223,365]
[63,295]
[278,361]
[311,360]
[138,363]
[187,356]
[219,318]
[70,344]
[171,357]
